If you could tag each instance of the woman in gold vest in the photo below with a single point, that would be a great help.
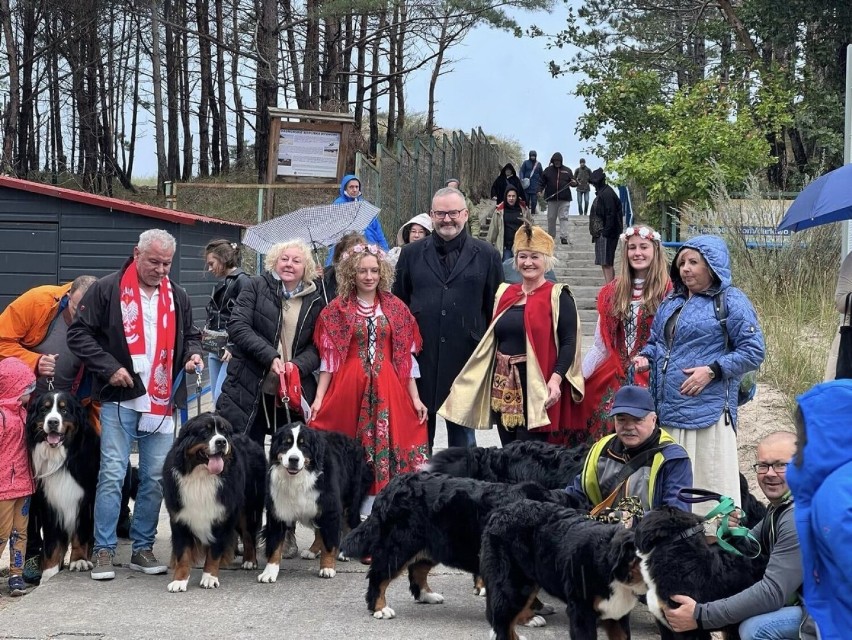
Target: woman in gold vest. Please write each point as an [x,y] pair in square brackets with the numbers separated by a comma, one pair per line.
[525,375]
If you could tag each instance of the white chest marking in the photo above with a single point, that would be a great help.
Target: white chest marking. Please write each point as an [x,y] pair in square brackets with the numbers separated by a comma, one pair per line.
[651,596]
[201,510]
[294,498]
[621,601]
[61,490]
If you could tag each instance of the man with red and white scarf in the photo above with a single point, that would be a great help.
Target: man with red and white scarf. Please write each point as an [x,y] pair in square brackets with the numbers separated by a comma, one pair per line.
[134,332]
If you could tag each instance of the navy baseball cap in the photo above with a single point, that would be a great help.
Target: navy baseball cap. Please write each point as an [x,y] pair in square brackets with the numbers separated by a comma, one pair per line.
[632,400]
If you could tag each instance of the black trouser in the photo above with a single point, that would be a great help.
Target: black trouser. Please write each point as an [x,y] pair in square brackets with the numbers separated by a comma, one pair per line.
[518,433]
[457,435]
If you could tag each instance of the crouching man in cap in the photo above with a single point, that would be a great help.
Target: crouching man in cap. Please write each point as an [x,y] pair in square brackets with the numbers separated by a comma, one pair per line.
[640,460]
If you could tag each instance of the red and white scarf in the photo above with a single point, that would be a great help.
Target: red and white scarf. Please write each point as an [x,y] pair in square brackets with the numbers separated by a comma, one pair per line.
[159,372]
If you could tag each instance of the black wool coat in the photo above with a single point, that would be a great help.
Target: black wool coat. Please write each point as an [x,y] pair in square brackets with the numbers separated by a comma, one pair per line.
[255,331]
[452,312]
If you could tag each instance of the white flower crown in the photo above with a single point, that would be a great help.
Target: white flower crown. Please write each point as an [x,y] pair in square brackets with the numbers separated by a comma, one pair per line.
[643,232]
[373,249]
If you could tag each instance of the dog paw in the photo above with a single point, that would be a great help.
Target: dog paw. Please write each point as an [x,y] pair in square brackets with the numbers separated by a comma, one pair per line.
[385,613]
[209,582]
[536,621]
[479,591]
[342,558]
[327,573]
[249,565]
[492,635]
[430,597]
[269,574]
[545,610]
[176,586]
[307,554]
[48,573]
[78,565]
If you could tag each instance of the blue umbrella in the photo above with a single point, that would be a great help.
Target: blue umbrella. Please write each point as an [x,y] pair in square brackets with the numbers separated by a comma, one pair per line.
[827,199]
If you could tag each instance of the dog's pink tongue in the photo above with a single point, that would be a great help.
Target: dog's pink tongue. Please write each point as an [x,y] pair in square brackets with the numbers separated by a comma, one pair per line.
[215,465]
[53,438]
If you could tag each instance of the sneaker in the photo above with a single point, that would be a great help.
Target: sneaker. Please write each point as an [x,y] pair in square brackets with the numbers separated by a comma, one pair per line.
[102,568]
[146,562]
[17,586]
[32,570]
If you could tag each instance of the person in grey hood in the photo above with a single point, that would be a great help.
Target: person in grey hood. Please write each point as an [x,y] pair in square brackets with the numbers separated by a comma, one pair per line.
[771,608]
[697,363]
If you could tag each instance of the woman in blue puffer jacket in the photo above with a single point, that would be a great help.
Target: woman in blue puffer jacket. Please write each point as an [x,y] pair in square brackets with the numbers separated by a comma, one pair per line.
[695,375]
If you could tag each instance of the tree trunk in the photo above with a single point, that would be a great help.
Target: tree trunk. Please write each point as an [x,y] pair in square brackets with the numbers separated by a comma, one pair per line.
[159,129]
[360,71]
[220,81]
[235,87]
[266,92]
[393,35]
[134,114]
[293,56]
[29,24]
[201,14]
[172,81]
[10,124]
[185,112]
[374,88]
[436,72]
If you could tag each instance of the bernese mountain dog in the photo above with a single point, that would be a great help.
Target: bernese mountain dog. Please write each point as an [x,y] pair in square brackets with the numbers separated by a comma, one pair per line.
[213,487]
[676,558]
[65,449]
[317,478]
[590,565]
[423,519]
[550,465]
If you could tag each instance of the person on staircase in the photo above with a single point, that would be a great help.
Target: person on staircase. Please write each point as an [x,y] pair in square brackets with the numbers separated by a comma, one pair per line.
[555,184]
[582,175]
[507,219]
[626,308]
[605,223]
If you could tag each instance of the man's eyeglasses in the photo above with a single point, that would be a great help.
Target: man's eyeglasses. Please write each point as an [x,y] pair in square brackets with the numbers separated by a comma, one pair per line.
[452,214]
[763,467]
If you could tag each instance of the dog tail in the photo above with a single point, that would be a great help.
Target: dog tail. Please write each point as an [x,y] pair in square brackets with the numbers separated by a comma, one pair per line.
[361,541]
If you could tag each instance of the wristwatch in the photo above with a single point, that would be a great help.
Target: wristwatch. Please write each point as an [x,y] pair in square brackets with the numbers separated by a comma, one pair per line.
[712,373]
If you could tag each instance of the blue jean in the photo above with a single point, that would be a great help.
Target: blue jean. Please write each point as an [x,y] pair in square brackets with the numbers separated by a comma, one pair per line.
[218,371]
[118,430]
[583,201]
[457,435]
[776,625]
[532,200]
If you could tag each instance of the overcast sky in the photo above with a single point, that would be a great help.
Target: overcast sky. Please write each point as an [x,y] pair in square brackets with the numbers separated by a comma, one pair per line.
[499,82]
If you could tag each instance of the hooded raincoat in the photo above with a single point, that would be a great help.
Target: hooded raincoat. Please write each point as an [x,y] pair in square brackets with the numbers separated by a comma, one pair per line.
[402,236]
[686,333]
[373,232]
[820,477]
[16,478]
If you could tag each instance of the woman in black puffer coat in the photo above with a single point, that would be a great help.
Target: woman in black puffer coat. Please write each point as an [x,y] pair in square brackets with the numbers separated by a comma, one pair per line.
[271,323]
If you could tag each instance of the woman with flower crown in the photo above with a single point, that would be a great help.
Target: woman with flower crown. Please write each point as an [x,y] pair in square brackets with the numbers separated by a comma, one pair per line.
[367,388]
[626,308]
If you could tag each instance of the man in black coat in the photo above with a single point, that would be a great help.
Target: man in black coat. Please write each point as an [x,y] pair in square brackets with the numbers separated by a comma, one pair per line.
[449,281]
[605,223]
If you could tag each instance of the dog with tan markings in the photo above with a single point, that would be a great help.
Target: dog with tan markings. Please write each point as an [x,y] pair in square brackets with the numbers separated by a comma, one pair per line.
[213,487]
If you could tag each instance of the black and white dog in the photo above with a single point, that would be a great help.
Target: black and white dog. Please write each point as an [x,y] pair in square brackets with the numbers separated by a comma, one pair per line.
[423,519]
[213,487]
[65,451]
[317,478]
[590,565]
[676,558]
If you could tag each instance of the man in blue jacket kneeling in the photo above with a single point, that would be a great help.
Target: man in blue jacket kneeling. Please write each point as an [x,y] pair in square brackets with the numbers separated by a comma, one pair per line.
[640,460]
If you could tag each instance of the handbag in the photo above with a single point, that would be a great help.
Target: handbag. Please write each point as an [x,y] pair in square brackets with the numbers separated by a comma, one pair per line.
[213,341]
[844,352]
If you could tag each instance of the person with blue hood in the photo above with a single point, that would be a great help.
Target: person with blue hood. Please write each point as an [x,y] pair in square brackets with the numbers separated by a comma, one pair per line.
[697,362]
[350,191]
[820,477]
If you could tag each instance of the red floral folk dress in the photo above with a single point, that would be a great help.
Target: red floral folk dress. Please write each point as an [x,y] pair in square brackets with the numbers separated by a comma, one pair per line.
[368,397]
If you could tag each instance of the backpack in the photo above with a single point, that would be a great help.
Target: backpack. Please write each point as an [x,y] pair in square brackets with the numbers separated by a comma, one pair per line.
[748,383]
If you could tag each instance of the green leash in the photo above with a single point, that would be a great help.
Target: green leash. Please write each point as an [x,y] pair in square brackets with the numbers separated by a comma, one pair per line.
[725,533]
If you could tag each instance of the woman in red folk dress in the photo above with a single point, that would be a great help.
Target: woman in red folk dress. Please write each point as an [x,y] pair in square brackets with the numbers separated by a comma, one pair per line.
[367,338]
[626,308]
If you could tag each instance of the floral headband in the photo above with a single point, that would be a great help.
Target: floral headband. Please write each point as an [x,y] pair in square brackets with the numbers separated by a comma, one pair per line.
[646,233]
[372,249]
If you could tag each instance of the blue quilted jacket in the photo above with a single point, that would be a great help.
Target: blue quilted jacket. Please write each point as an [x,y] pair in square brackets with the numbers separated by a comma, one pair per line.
[698,340]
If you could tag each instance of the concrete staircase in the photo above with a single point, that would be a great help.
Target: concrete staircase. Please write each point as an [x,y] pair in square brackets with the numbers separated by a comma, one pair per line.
[576,267]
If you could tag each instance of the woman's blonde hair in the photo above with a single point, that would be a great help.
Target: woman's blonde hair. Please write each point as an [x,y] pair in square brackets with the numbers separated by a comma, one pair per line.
[277,249]
[656,280]
[347,268]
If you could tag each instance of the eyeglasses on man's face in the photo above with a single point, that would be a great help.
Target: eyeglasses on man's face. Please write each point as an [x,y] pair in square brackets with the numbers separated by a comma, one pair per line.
[452,214]
[764,467]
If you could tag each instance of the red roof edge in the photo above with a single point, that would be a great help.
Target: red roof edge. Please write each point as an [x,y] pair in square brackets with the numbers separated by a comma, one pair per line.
[105,202]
